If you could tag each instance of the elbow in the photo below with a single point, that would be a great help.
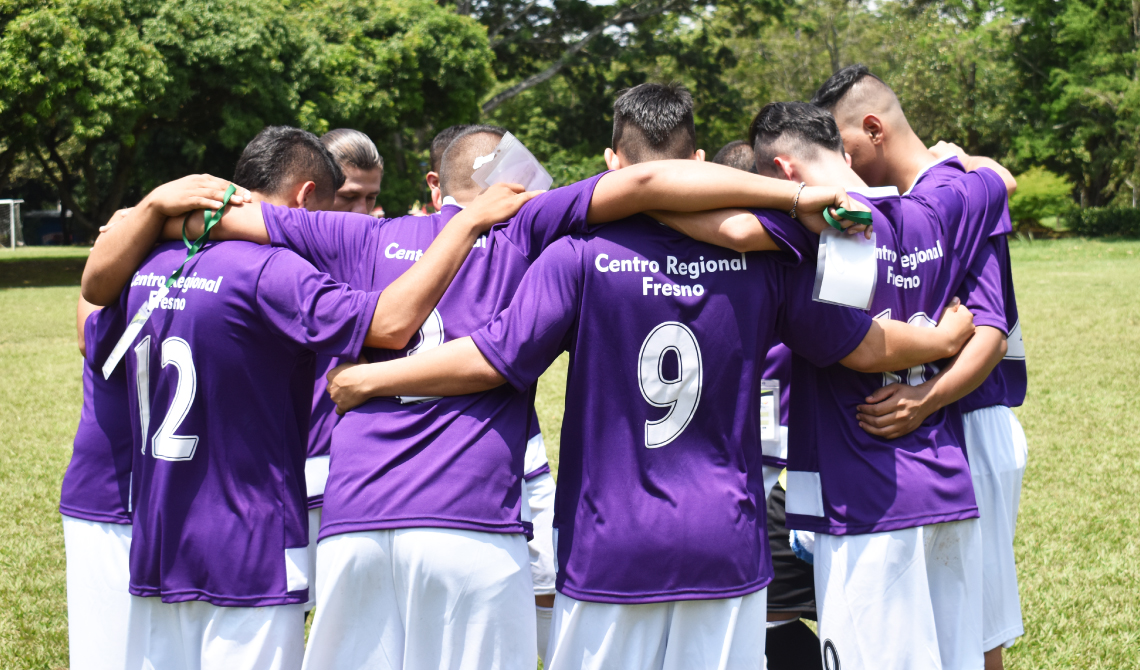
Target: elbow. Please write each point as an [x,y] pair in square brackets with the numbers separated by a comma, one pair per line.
[862,360]
[740,233]
[394,339]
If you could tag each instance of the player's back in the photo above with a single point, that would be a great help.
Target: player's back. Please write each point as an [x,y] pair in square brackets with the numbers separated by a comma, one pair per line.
[222,383]
[925,249]
[660,487]
[452,462]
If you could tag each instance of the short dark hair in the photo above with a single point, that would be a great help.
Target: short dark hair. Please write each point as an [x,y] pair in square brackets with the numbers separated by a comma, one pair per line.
[798,128]
[352,148]
[280,156]
[456,165]
[737,154]
[838,84]
[445,137]
[653,122]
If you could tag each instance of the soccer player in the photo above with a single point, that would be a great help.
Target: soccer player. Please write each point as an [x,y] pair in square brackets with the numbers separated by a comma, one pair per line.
[737,154]
[363,169]
[95,496]
[988,379]
[439,144]
[789,644]
[897,550]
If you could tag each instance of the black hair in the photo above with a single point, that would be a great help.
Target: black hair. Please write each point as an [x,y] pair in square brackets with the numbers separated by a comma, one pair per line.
[654,121]
[353,148]
[795,127]
[737,154]
[282,155]
[838,84]
[445,137]
[456,164]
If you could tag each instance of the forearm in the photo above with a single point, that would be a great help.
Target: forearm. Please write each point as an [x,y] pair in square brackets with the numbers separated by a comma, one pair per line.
[894,345]
[684,186]
[239,222]
[969,369]
[118,252]
[453,368]
[406,303]
[735,229]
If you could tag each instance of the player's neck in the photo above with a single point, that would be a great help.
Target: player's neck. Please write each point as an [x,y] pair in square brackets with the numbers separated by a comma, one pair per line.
[908,158]
[830,171]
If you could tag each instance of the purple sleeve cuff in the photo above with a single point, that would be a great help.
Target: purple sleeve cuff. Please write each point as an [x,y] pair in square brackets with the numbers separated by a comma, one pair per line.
[486,346]
[360,333]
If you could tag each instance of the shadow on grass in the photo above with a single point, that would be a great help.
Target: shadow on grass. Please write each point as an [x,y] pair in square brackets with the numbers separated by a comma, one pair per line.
[21,273]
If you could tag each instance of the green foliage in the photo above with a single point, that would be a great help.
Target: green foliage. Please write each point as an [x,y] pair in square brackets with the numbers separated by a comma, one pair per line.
[1040,194]
[1104,221]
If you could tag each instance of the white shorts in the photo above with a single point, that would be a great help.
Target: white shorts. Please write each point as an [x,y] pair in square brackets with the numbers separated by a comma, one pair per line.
[431,598]
[677,635]
[314,531]
[196,635]
[540,496]
[998,452]
[98,602]
[901,600]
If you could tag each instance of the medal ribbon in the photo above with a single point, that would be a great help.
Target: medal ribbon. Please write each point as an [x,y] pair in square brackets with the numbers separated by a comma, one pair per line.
[192,248]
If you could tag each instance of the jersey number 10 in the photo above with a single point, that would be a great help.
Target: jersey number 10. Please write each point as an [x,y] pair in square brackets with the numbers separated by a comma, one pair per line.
[680,395]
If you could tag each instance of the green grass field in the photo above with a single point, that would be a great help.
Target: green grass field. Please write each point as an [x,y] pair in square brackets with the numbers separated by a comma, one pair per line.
[1077,540]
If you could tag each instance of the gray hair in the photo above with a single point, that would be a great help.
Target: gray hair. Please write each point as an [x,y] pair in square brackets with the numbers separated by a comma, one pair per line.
[352,148]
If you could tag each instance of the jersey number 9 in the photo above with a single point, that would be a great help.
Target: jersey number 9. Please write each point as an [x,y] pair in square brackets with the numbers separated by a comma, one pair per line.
[680,395]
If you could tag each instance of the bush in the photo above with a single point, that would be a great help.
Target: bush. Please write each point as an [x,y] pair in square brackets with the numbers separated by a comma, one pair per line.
[1102,221]
[1040,194]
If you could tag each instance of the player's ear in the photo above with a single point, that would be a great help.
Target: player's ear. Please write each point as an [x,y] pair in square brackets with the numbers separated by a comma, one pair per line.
[699,155]
[304,195]
[612,160]
[437,197]
[873,129]
[432,179]
[784,168]
[847,156]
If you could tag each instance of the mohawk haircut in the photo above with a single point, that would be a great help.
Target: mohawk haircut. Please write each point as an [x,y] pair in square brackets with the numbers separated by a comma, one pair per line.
[654,122]
[792,128]
[457,161]
[837,86]
[737,154]
[280,156]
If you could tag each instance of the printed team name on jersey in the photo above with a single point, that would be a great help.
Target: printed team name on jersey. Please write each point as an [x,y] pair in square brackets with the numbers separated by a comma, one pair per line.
[911,260]
[673,266]
[183,284]
[393,250]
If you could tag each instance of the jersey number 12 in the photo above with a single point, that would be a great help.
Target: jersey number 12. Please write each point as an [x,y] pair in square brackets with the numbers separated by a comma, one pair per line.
[166,445]
[680,395]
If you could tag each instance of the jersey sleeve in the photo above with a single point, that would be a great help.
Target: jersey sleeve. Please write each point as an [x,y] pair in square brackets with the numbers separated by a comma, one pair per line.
[524,339]
[798,243]
[305,306]
[969,210]
[102,330]
[550,216]
[983,290]
[337,243]
[820,332]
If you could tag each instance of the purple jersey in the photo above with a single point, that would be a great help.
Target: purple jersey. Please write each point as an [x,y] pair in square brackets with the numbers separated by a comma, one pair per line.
[321,423]
[449,462]
[535,464]
[221,385]
[843,480]
[97,484]
[778,366]
[660,492]
[1007,383]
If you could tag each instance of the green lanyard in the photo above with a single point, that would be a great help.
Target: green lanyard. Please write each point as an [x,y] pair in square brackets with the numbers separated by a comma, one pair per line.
[854,217]
[192,248]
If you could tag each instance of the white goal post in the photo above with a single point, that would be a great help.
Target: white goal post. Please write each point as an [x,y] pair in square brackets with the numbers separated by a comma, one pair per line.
[11,227]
